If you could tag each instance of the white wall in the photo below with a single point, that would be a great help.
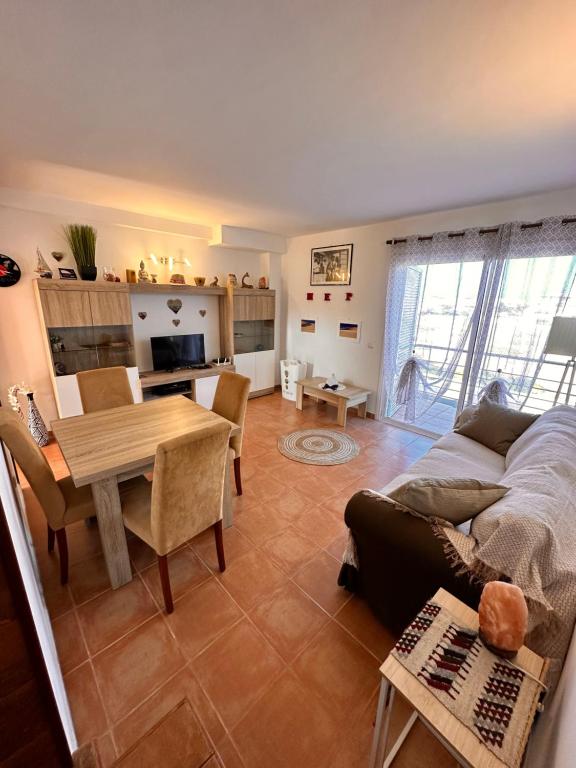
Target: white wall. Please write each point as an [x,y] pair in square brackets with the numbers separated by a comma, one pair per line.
[360,363]
[22,355]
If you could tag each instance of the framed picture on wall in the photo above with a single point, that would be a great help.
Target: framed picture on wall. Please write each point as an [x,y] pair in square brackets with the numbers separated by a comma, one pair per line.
[349,331]
[308,326]
[331,265]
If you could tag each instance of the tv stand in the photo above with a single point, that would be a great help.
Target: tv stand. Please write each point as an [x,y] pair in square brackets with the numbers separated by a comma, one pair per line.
[183,382]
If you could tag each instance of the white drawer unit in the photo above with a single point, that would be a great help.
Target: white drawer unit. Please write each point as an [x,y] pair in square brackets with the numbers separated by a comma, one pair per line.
[68,394]
[259,368]
[290,372]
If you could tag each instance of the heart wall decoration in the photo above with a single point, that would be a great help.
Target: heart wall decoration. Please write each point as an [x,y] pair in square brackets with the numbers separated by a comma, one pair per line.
[202,312]
[142,315]
[176,322]
[175,305]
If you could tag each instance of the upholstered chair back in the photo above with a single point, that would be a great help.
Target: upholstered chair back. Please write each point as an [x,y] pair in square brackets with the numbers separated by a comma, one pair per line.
[104,388]
[188,486]
[230,402]
[34,465]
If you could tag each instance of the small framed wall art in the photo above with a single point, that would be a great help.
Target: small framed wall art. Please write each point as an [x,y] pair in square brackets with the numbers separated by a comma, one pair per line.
[67,273]
[349,331]
[308,326]
[332,265]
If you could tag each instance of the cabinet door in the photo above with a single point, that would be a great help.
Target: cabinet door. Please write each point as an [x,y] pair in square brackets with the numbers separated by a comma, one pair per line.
[66,309]
[205,390]
[254,307]
[245,364]
[110,308]
[242,308]
[263,307]
[265,377]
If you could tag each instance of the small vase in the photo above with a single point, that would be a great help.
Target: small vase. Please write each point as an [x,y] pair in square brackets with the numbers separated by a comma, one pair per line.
[36,423]
[88,273]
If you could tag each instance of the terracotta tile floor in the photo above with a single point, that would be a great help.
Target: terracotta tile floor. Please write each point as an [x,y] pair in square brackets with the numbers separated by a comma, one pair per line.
[279,663]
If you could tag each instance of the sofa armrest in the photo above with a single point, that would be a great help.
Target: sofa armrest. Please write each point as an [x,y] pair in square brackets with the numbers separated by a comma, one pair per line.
[401,561]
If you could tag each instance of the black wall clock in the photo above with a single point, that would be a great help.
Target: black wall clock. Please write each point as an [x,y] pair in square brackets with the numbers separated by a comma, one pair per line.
[9,271]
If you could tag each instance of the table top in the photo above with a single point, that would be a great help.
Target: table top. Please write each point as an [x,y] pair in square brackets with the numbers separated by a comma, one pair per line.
[109,443]
[349,392]
[433,711]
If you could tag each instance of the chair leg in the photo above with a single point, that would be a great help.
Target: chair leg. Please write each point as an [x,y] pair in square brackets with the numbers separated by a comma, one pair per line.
[219,545]
[63,554]
[237,476]
[165,581]
[51,539]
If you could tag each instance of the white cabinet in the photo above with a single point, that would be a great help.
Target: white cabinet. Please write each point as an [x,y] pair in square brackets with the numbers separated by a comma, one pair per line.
[68,394]
[205,391]
[265,370]
[258,367]
[245,365]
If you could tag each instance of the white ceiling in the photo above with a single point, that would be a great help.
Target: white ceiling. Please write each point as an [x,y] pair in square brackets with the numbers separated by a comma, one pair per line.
[288,115]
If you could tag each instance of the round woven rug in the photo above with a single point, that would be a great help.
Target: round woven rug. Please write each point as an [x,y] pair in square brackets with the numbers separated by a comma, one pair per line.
[318,446]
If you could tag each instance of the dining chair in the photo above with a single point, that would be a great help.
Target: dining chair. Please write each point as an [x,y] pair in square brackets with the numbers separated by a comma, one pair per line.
[104,388]
[230,401]
[60,500]
[183,499]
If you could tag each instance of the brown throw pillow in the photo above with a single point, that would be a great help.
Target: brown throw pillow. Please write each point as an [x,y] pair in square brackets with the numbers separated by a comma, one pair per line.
[495,426]
[455,499]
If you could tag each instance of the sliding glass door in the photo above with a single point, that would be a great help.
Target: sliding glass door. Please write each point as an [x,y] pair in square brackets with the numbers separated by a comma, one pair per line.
[460,315]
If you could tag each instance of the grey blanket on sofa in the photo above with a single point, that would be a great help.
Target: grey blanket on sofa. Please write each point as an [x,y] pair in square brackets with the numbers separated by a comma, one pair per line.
[530,534]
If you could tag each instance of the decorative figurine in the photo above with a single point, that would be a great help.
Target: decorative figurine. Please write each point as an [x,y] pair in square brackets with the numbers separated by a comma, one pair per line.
[263,283]
[177,279]
[244,283]
[143,276]
[214,283]
[154,276]
[232,280]
[42,267]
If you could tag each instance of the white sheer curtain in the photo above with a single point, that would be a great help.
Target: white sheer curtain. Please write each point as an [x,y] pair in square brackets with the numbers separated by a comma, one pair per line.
[468,304]
[421,268]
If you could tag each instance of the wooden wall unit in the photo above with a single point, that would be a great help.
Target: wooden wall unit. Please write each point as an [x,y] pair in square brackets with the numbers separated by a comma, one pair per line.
[89,305]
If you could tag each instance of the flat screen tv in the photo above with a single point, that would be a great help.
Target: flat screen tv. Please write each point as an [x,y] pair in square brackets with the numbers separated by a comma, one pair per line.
[170,352]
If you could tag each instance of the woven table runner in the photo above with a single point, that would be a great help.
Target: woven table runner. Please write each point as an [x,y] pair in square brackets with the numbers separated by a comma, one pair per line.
[489,695]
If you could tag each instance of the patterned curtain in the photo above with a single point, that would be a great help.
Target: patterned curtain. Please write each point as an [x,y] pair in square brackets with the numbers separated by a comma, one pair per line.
[470,304]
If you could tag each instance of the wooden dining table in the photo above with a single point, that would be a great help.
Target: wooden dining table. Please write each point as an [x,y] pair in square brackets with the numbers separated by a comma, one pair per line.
[104,448]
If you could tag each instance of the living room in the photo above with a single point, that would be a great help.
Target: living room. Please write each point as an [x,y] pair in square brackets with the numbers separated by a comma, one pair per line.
[200,207]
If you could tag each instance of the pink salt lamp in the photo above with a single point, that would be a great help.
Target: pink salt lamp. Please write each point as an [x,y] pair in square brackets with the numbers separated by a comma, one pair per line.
[503,618]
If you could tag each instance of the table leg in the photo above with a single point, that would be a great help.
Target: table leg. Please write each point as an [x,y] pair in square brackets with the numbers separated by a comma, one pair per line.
[362,409]
[299,396]
[111,528]
[342,412]
[381,725]
[227,501]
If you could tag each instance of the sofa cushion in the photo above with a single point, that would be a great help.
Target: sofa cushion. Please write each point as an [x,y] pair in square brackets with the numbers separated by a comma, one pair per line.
[495,426]
[455,499]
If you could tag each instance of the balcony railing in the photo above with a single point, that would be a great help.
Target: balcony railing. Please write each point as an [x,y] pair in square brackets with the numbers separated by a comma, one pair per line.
[518,370]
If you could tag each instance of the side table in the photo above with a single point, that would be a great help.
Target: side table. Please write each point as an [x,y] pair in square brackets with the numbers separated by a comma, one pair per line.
[459,740]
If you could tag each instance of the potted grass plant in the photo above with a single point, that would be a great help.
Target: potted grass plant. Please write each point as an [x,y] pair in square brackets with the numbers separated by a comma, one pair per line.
[82,241]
